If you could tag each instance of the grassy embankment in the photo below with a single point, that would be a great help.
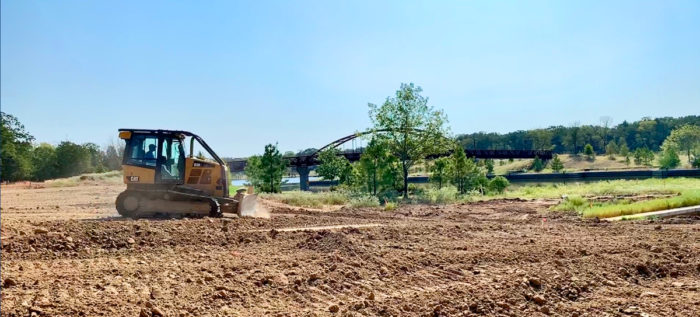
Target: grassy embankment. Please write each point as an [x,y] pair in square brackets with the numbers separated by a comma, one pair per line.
[619,196]
[579,163]
[112,177]
[685,191]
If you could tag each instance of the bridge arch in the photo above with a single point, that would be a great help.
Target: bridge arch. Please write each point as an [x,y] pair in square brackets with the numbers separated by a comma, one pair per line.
[353,136]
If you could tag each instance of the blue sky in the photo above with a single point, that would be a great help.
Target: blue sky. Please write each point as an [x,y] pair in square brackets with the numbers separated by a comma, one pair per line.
[243,74]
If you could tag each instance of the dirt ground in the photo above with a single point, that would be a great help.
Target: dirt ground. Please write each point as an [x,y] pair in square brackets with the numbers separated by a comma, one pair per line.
[65,252]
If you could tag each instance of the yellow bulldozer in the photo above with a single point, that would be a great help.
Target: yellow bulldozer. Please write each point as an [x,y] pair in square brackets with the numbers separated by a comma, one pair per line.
[164,179]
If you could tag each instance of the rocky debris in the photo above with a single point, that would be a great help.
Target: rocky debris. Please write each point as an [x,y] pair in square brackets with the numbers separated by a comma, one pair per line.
[333,308]
[609,283]
[41,230]
[9,282]
[535,282]
[157,311]
[539,299]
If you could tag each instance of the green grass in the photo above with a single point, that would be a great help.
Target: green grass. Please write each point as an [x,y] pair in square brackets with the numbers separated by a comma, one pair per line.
[364,201]
[615,187]
[687,198]
[572,203]
[309,199]
[112,177]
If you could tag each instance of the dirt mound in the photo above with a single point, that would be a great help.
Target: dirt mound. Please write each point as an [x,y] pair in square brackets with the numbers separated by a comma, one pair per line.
[326,241]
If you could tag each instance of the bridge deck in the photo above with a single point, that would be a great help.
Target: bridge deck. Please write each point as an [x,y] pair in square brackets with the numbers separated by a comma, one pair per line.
[312,160]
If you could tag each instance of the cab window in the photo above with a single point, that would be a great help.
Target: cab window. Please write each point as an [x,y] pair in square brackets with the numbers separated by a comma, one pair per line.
[172,159]
[142,150]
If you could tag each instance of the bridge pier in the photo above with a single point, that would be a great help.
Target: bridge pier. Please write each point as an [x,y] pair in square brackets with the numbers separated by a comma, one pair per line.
[303,177]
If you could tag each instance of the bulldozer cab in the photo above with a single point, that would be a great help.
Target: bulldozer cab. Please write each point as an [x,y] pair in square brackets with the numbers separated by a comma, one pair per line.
[163,153]
[165,157]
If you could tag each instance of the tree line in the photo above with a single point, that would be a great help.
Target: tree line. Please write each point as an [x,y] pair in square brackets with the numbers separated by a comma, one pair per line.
[22,159]
[646,133]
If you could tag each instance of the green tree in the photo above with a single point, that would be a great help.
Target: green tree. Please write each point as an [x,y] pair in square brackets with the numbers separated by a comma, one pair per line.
[611,149]
[498,184]
[573,138]
[44,162]
[265,172]
[113,155]
[643,156]
[465,173]
[541,139]
[686,139]
[414,129]
[333,166]
[15,149]
[624,150]
[96,158]
[488,163]
[556,164]
[72,159]
[669,159]
[537,164]
[377,168]
[441,171]
[588,152]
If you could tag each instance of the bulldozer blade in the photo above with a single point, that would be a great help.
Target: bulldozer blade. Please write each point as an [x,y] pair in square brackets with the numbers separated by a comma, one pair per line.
[249,207]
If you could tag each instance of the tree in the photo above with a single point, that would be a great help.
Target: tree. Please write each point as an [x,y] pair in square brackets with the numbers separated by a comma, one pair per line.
[573,138]
[588,151]
[333,165]
[643,156]
[465,173]
[413,129]
[669,159]
[488,163]
[624,150]
[611,149]
[44,162]
[377,167]
[686,139]
[15,149]
[498,184]
[541,139]
[440,171]
[556,164]
[537,164]
[265,172]
[72,159]
[96,158]
[605,122]
[113,156]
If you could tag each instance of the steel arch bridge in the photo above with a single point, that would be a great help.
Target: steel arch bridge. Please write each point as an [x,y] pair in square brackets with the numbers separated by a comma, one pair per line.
[305,161]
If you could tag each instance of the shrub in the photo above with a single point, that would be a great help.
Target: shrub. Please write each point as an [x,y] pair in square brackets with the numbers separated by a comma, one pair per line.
[588,151]
[537,164]
[498,184]
[572,203]
[389,206]
[309,199]
[445,195]
[669,159]
[364,201]
[557,165]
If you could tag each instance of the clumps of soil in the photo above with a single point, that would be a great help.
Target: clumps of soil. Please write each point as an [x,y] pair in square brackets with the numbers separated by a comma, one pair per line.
[326,241]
